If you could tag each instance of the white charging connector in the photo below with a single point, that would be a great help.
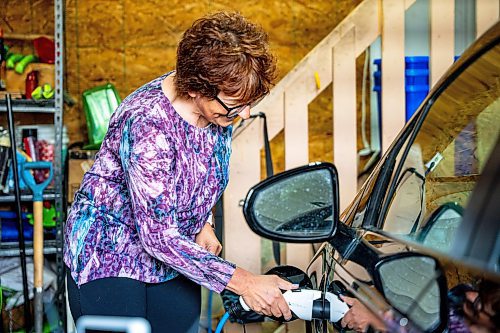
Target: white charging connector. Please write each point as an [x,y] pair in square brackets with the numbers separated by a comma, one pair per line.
[308,304]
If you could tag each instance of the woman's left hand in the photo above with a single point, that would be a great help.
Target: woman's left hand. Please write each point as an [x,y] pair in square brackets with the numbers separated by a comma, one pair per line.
[359,317]
[206,239]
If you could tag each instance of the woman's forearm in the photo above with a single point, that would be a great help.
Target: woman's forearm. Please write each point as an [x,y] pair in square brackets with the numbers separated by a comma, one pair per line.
[240,281]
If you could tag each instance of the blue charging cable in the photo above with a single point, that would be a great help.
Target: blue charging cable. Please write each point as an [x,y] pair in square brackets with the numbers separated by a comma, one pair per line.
[209,312]
[222,322]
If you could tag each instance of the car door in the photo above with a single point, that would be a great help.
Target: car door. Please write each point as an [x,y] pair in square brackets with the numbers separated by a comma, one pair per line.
[441,161]
[431,169]
[481,222]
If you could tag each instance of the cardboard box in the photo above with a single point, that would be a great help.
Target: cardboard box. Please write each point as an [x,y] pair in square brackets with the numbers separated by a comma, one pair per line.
[16,83]
[80,161]
[13,320]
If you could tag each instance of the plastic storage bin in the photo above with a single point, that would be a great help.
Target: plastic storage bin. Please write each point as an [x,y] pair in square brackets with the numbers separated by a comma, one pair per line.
[8,226]
[8,222]
[416,82]
[99,103]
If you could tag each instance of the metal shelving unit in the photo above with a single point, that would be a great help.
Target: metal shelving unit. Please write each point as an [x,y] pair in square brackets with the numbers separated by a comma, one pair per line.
[58,167]
[24,106]
[50,194]
[55,193]
[11,249]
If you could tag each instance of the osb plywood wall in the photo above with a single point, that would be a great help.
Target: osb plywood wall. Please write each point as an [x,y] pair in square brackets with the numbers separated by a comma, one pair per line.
[131,42]
[24,18]
[128,43]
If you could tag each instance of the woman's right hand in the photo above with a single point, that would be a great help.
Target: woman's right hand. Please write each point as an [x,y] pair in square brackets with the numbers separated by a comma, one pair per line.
[262,293]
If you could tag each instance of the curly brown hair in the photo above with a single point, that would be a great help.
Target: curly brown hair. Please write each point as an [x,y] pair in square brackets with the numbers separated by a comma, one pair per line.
[224,52]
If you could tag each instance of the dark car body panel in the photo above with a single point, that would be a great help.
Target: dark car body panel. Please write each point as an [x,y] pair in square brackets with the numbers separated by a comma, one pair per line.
[359,239]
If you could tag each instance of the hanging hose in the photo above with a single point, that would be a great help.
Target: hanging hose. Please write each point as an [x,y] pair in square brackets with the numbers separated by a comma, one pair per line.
[222,322]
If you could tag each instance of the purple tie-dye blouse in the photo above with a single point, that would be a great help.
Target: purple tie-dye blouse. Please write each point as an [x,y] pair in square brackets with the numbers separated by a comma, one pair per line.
[149,192]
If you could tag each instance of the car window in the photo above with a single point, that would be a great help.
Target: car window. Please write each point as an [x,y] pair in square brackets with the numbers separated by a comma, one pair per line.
[354,214]
[439,168]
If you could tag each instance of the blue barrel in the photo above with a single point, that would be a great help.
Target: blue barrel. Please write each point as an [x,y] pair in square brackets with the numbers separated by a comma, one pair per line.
[415,95]
[418,62]
[416,82]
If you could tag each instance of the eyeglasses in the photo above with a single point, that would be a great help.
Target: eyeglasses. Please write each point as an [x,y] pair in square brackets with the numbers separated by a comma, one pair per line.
[477,308]
[232,112]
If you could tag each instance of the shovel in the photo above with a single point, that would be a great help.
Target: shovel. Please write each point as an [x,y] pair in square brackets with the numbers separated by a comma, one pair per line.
[37,190]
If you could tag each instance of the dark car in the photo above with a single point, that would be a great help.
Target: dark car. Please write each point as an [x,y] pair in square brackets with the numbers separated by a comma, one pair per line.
[426,219]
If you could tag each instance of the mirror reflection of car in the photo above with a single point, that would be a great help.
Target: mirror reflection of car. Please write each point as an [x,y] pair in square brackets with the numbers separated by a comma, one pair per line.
[422,296]
[440,229]
[434,194]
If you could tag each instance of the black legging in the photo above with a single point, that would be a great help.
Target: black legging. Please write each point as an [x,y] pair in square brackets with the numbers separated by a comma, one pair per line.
[172,306]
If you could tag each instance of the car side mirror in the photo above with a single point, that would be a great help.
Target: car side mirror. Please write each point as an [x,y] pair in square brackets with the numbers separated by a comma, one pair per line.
[439,231]
[415,285]
[298,205]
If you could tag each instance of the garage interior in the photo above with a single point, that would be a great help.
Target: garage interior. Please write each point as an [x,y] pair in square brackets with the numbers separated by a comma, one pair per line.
[327,106]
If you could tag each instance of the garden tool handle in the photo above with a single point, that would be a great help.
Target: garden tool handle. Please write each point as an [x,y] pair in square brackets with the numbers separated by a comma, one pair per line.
[38,243]
[37,189]
[38,264]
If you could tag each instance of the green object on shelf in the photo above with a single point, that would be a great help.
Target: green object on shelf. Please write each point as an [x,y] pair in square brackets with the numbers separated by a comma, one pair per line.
[49,217]
[13,59]
[99,103]
[25,61]
[47,91]
[37,93]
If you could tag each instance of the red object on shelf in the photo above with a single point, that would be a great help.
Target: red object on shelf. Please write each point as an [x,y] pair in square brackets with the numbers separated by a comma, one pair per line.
[31,83]
[45,49]
[45,152]
[29,147]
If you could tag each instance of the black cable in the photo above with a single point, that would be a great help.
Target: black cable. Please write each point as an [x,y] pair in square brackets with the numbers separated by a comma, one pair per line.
[20,227]
[237,131]
[267,148]
[269,173]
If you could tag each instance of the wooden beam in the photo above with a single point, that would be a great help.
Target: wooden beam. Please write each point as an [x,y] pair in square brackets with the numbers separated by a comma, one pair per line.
[366,18]
[344,117]
[442,48]
[393,74]
[296,127]
[367,26]
[274,108]
[26,36]
[242,246]
[487,12]
[297,153]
